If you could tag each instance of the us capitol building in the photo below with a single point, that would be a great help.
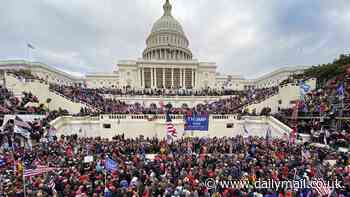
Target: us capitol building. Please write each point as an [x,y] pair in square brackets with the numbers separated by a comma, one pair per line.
[167,62]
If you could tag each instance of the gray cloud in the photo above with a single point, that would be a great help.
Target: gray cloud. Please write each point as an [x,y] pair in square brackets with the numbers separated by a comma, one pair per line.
[244,37]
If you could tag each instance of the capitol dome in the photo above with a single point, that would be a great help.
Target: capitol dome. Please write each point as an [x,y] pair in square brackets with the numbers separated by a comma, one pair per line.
[167,22]
[167,40]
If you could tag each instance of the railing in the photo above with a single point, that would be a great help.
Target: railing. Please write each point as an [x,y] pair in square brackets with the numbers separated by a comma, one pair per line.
[64,119]
[318,117]
[253,118]
[129,119]
[143,117]
[136,96]
[284,127]
[260,100]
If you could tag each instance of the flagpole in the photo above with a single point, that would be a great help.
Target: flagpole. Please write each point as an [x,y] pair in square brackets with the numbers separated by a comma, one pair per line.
[342,111]
[13,154]
[24,185]
[104,191]
[29,59]
[27,52]
[295,173]
[105,181]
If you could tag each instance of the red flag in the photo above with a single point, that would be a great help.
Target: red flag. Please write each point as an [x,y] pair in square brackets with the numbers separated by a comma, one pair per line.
[69,151]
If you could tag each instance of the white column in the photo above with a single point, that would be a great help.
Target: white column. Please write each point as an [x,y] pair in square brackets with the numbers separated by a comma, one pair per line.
[172,77]
[143,77]
[140,77]
[155,77]
[181,77]
[192,72]
[184,79]
[163,77]
[151,77]
[194,78]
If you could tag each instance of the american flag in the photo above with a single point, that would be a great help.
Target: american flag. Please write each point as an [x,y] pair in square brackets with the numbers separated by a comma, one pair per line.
[19,122]
[30,46]
[37,171]
[320,185]
[322,188]
[52,184]
[170,128]
[292,136]
[22,128]
[19,130]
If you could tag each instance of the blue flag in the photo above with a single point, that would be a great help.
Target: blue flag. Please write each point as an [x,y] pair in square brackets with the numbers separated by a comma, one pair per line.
[304,89]
[2,162]
[340,89]
[111,165]
[305,108]
[167,117]
[253,149]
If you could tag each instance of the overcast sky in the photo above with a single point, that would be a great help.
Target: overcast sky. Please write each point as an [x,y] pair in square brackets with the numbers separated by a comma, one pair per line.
[248,37]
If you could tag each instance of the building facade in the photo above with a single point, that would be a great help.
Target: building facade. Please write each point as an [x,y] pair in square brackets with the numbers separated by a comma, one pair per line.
[167,61]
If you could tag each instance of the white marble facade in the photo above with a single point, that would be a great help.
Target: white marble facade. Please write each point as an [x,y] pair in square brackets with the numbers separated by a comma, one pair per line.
[167,62]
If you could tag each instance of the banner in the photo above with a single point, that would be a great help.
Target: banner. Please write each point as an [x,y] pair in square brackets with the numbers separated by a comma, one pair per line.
[88,159]
[197,123]
[25,118]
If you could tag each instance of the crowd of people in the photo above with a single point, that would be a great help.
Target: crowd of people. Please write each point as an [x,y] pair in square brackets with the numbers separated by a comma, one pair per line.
[96,98]
[321,112]
[98,102]
[165,92]
[11,130]
[331,99]
[180,168]
[22,74]
[27,103]
[156,167]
